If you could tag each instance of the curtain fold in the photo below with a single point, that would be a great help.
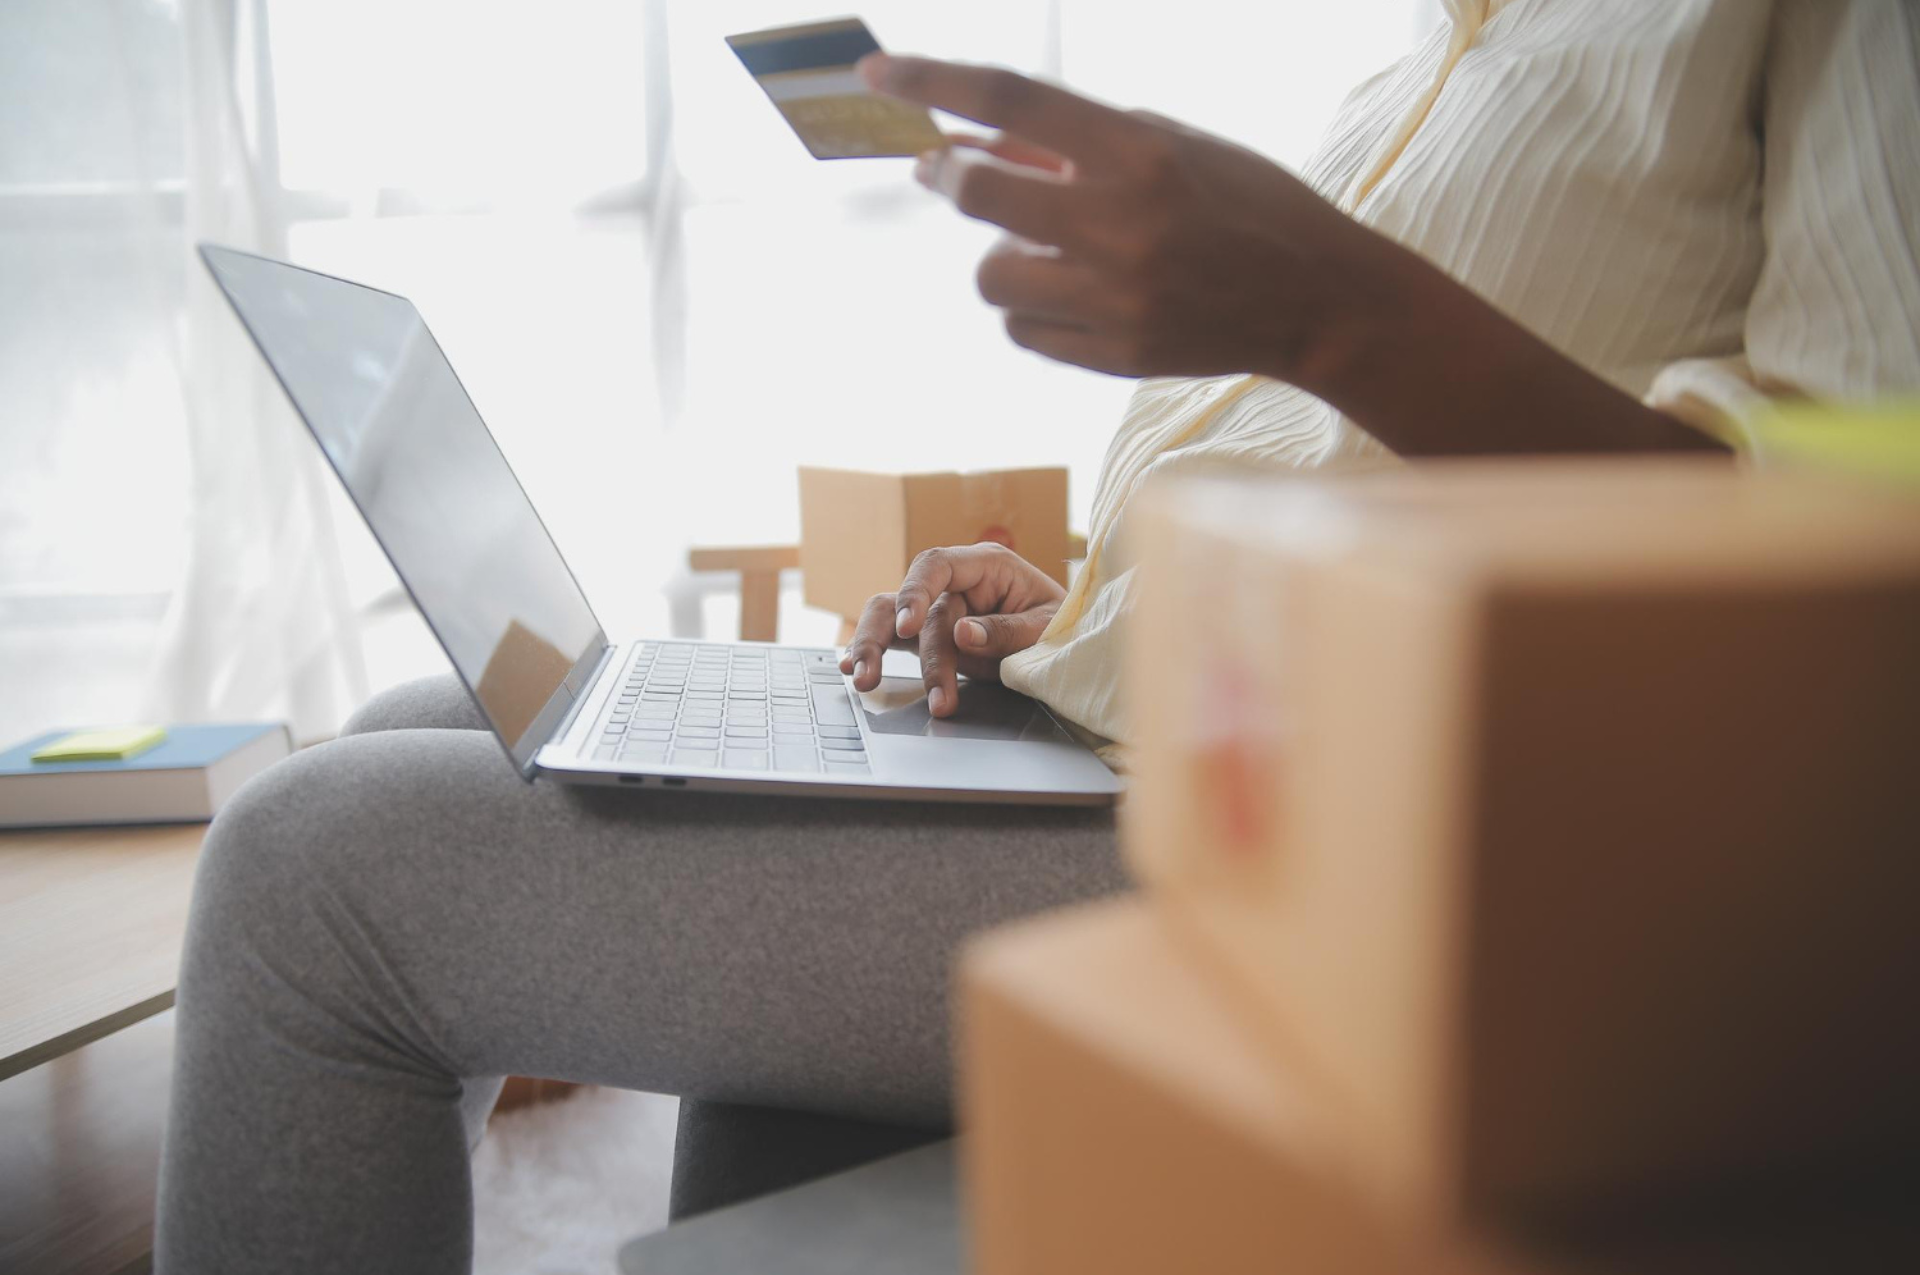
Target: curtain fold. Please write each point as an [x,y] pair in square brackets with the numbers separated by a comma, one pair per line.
[259,624]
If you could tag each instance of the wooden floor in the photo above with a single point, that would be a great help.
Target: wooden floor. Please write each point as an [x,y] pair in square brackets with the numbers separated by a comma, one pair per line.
[91,922]
[79,1155]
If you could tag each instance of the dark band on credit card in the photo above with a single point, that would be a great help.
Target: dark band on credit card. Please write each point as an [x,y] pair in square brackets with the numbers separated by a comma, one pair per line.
[841,47]
[808,73]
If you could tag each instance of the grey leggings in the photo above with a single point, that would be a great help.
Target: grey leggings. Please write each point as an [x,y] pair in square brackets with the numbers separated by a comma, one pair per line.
[386,924]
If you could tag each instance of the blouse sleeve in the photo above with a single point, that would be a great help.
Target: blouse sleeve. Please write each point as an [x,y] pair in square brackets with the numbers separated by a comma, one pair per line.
[1835,312]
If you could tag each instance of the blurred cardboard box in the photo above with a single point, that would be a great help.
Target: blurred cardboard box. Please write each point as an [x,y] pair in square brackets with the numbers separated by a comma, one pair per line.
[1561,819]
[1120,1118]
[859,532]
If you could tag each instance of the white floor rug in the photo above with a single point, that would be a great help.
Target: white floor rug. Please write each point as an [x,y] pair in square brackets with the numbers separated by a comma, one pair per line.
[560,1186]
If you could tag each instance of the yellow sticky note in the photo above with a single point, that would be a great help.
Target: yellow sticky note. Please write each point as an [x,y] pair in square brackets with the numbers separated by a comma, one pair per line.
[116,743]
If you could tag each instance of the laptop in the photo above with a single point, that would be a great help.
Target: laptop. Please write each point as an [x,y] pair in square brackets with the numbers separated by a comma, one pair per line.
[380,398]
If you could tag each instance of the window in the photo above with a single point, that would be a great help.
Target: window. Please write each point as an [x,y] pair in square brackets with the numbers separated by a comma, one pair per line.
[626,255]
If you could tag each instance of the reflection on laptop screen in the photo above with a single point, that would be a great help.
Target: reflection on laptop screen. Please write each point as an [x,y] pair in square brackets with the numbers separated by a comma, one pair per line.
[373,386]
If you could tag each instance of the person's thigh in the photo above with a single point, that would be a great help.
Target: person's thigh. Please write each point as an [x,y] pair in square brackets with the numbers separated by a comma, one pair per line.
[382,922]
[771,950]
[685,913]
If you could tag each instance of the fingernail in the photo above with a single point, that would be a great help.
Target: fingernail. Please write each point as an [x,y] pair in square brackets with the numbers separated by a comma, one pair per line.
[972,632]
[860,669]
[936,699]
[900,619]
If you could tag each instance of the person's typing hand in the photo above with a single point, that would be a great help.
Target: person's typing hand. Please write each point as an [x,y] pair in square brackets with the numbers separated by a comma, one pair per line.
[964,609]
[1138,246]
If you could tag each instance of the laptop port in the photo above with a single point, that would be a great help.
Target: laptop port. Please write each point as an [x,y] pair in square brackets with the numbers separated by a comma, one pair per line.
[672,782]
[633,779]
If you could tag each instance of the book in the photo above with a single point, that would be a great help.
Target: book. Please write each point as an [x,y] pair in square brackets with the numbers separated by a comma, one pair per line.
[185,778]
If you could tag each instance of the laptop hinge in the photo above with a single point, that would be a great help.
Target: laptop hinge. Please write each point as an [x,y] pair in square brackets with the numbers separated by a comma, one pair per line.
[579,701]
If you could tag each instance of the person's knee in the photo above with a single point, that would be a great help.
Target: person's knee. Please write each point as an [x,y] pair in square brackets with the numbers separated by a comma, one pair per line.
[321,896]
[259,864]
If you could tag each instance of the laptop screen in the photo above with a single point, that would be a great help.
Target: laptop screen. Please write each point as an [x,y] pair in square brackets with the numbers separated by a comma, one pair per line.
[384,403]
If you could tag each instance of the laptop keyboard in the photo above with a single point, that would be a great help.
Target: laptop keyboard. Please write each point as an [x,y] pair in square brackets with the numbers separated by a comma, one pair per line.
[781,710]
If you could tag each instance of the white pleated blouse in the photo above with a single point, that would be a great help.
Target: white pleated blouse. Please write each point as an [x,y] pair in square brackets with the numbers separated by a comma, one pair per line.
[1706,202]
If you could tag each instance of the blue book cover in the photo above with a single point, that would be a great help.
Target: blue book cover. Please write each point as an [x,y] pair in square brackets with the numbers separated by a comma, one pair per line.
[184,748]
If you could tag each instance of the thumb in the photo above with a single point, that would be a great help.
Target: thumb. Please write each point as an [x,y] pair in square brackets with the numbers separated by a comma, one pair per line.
[998,636]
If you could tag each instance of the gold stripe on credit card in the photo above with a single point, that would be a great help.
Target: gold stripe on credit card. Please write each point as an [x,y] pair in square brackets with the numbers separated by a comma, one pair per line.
[807,71]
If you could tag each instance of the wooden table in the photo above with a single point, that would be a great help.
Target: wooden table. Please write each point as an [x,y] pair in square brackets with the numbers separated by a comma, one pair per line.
[91,922]
[90,928]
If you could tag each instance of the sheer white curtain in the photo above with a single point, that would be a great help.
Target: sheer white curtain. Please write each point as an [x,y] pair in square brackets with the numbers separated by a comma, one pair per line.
[621,248]
[259,623]
[165,550]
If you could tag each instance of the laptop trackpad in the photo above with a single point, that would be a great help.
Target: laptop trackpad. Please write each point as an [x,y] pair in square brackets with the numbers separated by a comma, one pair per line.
[988,710]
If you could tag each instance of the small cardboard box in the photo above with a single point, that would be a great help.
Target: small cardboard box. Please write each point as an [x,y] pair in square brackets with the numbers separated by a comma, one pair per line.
[1120,1118]
[1565,819]
[859,531]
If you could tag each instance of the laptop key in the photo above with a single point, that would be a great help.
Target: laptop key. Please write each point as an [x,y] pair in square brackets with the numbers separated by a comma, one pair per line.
[795,757]
[698,732]
[702,759]
[841,745]
[656,753]
[830,705]
[736,760]
[843,768]
[840,732]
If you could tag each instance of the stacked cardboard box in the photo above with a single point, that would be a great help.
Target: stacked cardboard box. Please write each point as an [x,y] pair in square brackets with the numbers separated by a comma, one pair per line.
[859,531]
[1123,1119]
[1549,831]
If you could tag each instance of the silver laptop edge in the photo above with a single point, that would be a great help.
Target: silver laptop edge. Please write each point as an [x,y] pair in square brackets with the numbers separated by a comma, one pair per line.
[375,390]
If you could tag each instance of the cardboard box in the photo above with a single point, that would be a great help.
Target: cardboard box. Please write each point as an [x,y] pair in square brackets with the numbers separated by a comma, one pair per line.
[1564,820]
[1120,1119]
[859,531]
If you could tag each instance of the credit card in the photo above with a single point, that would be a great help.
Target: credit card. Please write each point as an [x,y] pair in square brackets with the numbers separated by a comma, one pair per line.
[808,72]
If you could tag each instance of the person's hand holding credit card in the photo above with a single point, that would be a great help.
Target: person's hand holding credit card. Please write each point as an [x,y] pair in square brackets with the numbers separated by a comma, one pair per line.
[1138,246]
[808,72]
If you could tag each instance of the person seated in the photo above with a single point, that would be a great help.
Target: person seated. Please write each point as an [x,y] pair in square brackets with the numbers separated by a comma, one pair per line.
[1554,227]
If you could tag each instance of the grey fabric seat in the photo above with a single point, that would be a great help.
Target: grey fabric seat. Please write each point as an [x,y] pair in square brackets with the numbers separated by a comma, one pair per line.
[725,1153]
[898,1215]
